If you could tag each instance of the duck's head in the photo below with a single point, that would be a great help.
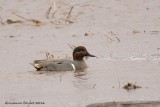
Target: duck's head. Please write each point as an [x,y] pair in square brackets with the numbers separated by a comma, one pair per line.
[80,52]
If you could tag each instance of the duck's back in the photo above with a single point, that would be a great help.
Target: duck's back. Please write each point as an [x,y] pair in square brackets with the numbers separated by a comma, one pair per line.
[58,65]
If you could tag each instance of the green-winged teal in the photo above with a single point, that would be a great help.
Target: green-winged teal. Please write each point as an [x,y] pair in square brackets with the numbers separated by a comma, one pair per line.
[64,64]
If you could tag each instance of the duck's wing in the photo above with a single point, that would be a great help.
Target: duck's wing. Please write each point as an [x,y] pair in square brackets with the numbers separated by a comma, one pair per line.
[53,65]
[60,65]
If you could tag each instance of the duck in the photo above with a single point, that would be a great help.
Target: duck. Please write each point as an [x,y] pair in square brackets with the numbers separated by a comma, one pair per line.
[64,64]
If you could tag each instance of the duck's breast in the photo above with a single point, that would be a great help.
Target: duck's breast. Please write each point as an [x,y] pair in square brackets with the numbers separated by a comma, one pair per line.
[80,64]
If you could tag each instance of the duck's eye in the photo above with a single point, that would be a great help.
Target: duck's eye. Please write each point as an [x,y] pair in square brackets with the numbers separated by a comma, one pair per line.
[80,50]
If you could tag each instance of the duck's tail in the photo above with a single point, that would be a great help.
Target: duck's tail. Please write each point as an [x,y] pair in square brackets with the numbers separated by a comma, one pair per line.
[37,66]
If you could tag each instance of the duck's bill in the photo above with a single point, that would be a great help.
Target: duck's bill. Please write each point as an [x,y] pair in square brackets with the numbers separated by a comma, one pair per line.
[90,55]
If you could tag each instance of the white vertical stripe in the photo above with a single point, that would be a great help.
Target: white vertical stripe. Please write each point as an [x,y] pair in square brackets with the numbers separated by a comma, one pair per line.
[73,66]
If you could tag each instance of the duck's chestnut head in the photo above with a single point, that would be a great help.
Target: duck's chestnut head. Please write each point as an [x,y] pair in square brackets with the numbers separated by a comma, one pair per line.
[80,52]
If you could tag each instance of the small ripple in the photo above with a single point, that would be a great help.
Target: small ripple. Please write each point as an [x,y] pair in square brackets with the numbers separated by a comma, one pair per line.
[135,58]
